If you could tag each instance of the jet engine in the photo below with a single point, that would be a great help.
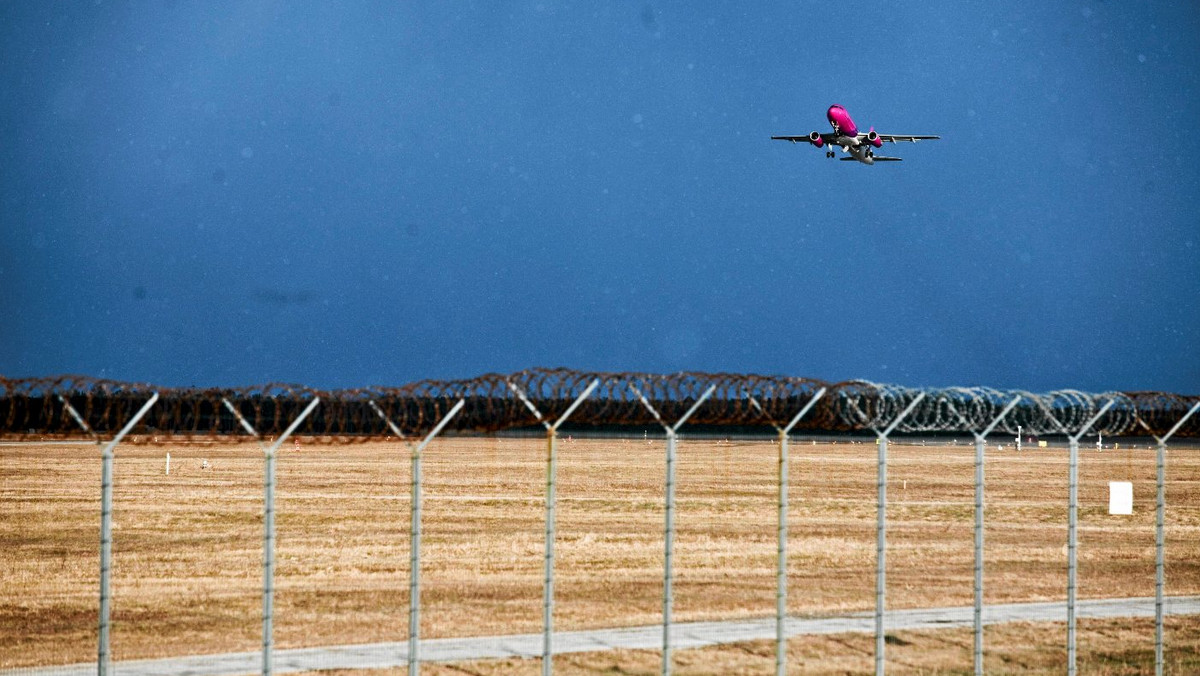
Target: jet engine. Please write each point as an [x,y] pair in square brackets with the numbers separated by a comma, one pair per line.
[873,138]
[816,139]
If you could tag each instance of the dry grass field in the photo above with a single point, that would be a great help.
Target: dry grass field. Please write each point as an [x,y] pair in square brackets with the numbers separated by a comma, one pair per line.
[187,548]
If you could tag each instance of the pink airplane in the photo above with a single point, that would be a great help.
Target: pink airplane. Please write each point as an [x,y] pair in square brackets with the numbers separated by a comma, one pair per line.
[846,135]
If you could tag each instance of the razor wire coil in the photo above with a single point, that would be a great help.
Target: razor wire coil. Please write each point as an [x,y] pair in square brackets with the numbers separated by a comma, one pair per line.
[37,406]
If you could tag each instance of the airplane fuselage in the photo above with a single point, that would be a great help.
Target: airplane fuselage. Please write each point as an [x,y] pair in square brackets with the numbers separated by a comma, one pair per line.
[847,134]
[840,120]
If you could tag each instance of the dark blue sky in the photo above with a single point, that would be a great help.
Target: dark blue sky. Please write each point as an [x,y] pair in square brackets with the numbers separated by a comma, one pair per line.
[343,194]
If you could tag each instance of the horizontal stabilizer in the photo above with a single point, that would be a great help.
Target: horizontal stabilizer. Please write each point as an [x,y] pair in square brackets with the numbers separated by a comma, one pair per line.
[877,158]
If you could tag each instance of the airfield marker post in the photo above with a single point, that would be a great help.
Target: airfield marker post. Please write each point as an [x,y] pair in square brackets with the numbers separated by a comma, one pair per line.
[669,528]
[269,454]
[781,556]
[551,516]
[104,654]
[881,534]
[1073,530]
[1160,506]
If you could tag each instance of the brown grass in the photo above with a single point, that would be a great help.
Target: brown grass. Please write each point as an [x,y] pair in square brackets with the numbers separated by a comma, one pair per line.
[187,547]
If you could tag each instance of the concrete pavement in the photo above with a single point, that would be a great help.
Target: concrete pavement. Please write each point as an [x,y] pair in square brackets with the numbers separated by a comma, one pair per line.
[684,635]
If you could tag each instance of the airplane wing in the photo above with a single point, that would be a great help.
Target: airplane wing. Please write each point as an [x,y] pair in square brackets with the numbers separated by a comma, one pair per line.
[826,137]
[896,138]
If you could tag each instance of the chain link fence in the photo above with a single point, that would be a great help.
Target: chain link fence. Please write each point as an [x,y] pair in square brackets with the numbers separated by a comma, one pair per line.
[317,550]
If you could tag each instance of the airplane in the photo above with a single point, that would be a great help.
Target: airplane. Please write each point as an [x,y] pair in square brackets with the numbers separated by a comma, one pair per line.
[846,136]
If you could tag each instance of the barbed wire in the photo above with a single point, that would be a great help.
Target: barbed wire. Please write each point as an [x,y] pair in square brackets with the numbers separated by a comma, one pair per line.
[37,406]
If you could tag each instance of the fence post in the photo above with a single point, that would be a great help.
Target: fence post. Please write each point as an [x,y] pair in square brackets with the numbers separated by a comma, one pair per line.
[379,412]
[414,552]
[669,527]
[1072,530]
[551,506]
[106,504]
[881,534]
[1160,506]
[782,525]
[79,419]
[980,443]
[269,453]
[269,537]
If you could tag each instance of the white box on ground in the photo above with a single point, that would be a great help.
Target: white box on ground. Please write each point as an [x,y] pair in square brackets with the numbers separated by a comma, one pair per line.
[1120,497]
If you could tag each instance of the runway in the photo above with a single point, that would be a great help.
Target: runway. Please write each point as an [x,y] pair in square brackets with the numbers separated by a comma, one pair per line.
[684,635]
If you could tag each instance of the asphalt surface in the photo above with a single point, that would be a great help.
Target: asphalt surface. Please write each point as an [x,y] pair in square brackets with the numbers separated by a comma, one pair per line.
[684,635]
